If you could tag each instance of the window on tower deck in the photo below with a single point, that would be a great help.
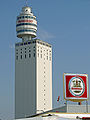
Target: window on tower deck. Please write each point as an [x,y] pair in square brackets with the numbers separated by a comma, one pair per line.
[29,50]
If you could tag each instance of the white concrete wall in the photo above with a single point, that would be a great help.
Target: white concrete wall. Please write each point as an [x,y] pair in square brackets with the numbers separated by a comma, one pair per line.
[33,79]
[25,83]
[44,78]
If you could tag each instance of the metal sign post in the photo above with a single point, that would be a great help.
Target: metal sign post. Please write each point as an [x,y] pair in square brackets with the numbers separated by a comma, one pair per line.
[86,106]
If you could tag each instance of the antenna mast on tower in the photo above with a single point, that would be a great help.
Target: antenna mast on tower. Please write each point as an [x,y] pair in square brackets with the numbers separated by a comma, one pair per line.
[26,2]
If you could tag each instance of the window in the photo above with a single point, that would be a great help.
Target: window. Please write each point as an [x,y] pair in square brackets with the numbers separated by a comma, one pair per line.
[50,58]
[26,17]
[17,44]
[29,42]
[21,56]
[29,55]
[25,43]
[47,57]
[38,54]
[25,55]
[16,57]
[34,55]
[21,44]
[33,42]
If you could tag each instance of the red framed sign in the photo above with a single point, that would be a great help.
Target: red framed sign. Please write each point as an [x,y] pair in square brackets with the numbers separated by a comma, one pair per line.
[75,87]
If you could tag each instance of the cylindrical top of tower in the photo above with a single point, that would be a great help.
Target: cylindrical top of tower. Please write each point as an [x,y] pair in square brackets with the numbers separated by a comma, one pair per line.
[26,10]
[26,24]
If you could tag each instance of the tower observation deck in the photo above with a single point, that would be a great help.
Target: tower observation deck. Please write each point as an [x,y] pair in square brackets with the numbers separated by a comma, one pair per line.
[26,24]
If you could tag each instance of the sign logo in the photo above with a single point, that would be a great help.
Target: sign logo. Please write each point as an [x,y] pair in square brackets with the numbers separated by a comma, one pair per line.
[76,86]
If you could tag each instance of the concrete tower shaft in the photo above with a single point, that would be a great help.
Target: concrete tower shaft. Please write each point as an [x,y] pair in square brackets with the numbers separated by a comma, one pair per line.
[26,24]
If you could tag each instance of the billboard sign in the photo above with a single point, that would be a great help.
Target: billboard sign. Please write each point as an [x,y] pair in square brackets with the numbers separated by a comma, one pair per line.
[75,87]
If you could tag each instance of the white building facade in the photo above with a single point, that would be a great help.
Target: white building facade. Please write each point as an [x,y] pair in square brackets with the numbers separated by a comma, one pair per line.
[33,69]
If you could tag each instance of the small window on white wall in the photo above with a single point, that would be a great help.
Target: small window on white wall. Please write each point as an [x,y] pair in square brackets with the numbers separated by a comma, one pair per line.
[29,55]
[25,55]
[16,57]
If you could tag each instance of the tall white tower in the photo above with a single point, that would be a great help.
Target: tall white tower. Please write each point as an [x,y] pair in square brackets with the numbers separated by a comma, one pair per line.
[33,68]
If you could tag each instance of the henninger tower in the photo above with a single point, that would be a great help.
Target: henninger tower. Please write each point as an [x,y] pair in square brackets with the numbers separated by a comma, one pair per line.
[33,68]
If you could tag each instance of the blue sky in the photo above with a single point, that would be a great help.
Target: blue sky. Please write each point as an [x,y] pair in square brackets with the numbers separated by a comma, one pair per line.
[63,23]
